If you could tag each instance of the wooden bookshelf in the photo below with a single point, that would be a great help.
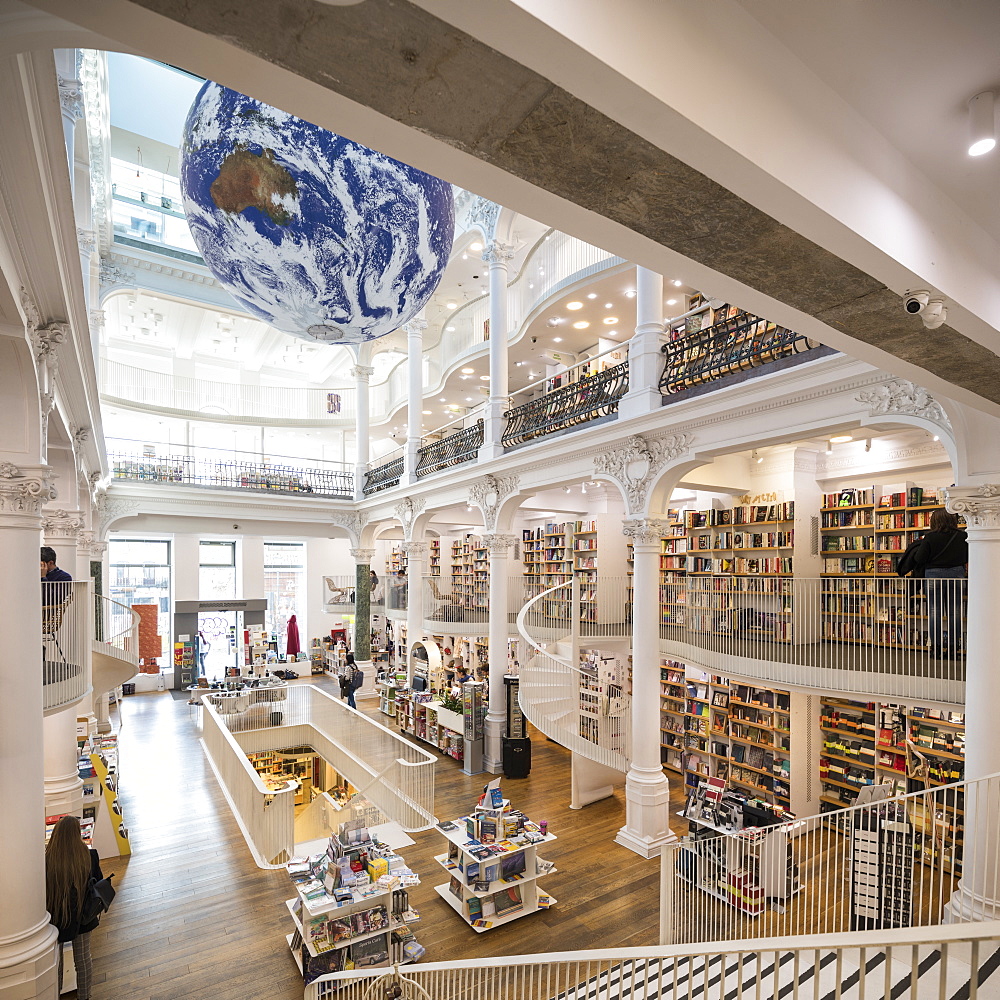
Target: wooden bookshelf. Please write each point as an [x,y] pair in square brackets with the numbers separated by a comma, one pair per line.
[434,557]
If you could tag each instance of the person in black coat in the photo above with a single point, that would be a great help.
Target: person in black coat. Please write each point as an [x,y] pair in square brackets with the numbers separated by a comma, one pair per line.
[943,555]
[69,867]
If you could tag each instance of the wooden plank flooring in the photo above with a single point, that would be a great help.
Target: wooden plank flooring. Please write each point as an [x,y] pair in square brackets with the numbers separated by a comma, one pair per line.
[194,918]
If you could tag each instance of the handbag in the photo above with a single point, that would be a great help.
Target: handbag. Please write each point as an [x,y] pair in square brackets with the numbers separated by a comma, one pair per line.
[100,893]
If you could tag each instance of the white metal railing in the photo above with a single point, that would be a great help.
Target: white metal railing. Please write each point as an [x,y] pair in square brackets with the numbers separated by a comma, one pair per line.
[357,747]
[881,636]
[916,860]
[67,630]
[578,372]
[208,399]
[266,818]
[904,965]
[585,711]
[467,419]
[115,644]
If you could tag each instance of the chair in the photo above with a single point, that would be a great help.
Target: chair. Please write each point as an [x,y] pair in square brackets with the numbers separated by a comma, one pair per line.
[52,616]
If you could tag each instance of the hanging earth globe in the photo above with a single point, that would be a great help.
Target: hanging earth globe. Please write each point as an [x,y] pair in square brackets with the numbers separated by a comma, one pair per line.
[318,236]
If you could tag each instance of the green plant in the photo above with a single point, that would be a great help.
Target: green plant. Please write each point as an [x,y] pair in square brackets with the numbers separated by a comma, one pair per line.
[451,703]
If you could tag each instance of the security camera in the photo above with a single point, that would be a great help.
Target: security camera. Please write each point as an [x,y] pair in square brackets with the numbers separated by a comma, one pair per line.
[915,302]
[934,314]
[236,527]
[534,340]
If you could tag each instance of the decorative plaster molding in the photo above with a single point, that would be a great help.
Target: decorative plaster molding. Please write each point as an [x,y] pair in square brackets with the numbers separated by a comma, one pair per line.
[62,523]
[97,318]
[353,520]
[111,509]
[71,98]
[906,398]
[46,341]
[32,318]
[406,512]
[416,550]
[86,240]
[112,276]
[85,543]
[484,214]
[645,530]
[497,252]
[979,505]
[363,372]
[93,70]
[930,450]
[498,543]
[81,434]
[23,491]
[634,465]
[363,557]
[415,327]
[489,493]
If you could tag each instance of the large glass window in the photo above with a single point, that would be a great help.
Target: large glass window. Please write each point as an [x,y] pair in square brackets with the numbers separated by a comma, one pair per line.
[140,574]
[216,571]
[285,587]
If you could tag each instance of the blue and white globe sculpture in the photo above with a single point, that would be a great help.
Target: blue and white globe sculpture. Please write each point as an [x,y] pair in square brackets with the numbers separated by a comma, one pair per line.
[316,235]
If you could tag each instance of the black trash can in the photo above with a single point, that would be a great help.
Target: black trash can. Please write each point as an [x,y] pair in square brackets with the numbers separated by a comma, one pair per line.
[516,757]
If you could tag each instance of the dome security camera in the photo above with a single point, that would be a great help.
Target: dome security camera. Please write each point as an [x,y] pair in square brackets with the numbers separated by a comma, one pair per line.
[534,340]
[934,314]
[915,302]
[236,527]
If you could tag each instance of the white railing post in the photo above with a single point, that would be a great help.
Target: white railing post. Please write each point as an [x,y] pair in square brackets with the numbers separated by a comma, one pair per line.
[496,255]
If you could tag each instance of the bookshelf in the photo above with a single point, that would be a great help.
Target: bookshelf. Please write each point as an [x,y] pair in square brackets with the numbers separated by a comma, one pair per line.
[434,557]
[493,865]
[470,574]
[602,686]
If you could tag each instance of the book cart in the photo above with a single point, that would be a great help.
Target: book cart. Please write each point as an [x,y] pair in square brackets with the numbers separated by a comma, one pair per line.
[351,909]
[493,863]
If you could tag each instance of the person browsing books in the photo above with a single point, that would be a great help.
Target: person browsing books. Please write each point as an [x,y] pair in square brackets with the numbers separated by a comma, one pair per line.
[943,555]
[69,867]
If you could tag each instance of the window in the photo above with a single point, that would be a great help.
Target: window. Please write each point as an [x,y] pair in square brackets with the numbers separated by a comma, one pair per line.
[217,570]
[284,586]
[140,574]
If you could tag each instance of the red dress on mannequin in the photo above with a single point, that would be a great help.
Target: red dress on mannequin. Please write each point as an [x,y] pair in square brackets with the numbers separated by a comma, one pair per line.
[292,638]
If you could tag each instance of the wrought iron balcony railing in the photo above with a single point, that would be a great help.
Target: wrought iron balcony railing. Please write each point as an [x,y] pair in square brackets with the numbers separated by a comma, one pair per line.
[462,446]
[733,345]
[587,399]
[383,477]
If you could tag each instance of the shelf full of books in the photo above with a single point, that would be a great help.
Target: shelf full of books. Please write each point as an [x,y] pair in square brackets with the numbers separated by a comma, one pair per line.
[493,864]
[470,574]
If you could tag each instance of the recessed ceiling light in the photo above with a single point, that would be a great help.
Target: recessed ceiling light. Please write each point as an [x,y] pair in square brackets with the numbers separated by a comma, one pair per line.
[612,333]
[580,324]
[630,293]
[477,246]
[671,302]
[465,256]
[558,340]
[553,321]
[450,329]
[484,378]
[591,295]
[677,284]
[468,399]
[574,306]
[442,400]
[451,305]
[464,377]
[426,413]
[841,438]
[610,320]
[609,305]
[468,371]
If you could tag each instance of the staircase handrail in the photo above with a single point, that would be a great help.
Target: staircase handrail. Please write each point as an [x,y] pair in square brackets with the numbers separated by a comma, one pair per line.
[522,626]
[126,640]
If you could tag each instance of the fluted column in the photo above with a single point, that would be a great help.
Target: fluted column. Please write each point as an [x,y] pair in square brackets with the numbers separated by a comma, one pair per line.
[647,794]
[362,601]
[415,392]
[496,255]
[27,939]
[644,359]
[416,570]
[498,546]
[361,373]
[977,896]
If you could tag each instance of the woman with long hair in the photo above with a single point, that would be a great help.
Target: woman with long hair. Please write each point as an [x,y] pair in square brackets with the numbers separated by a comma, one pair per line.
[943,555]
[69,866]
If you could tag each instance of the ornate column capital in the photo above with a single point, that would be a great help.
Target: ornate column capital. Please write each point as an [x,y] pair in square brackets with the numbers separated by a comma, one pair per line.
[113,275]
[62,523]
[416,550]
[497,544]
[86,240]
[497,252]
[71,98]
[979,505]
[46,341]
[645,530]
[85,543]
[415,327]
[363,556]
[489,493]
[22,493]
[635,465]
[362,372]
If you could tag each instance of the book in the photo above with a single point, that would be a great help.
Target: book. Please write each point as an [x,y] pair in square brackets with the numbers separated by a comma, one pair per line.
[455,886]
[371,952]
[507,900]
[475,908]
[512,865]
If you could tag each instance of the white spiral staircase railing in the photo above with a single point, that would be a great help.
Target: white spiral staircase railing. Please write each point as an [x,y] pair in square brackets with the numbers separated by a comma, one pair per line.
[115,646]
[565,702]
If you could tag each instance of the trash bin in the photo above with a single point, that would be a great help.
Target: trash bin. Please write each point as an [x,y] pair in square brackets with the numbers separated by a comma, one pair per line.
[516,757]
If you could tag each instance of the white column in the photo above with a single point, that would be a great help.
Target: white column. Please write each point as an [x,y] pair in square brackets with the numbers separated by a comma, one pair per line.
[415,393]
[496,713]
[647,794]
[71,105]
[363,617]
[645,363]
[27,939]
[977,896]
[496,256]
[361,373]
[416,570]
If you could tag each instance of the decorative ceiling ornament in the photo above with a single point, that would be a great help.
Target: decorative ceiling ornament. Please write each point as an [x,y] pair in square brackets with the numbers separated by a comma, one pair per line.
[314,234]
[489,493]
[93,72]
[23,491]
[353,520]
[635,465]
[406,512]
[906,398]
[978,505]
[645,530]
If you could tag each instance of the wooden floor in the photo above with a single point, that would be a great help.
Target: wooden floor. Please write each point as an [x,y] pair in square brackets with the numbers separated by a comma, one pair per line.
[194,918]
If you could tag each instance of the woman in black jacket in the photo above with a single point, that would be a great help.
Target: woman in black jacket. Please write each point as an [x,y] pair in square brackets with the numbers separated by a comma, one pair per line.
[69,867]
[943,555]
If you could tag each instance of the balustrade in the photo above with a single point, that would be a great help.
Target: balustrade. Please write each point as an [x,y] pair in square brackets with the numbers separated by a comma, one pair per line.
[462,446]
[384,477]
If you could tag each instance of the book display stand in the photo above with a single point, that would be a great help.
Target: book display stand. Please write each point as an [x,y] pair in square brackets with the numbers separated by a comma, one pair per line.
[351,909]
[493,863]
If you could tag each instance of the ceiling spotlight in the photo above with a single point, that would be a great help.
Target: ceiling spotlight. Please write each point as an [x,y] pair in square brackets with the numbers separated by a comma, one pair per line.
[676,283]
[477,246]
[868,444]
[841,438]
[757,458]
[468,507]
[465,256]
[468,371]
[936,438]
[468,399]
[426,413]
[566,489]
[580,324]
[591,295]
[609,305]
[671,302]
[553,321]
[442,400]
[451,305]
[610,320]
[630,293]
[583,487]
[574,306]
[611,333]
[982,129]
[450,329]
[484,378]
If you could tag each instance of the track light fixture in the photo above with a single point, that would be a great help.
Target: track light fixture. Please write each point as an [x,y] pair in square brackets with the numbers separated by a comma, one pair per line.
[982,127]
[757,458]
